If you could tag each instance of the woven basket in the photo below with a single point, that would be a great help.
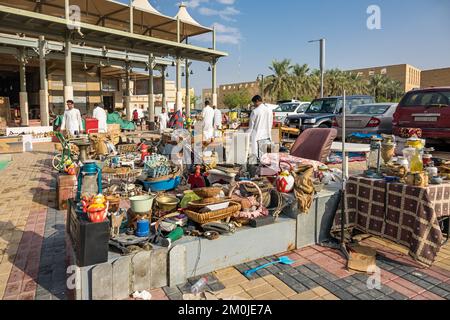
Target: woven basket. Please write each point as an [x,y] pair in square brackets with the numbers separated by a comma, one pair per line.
[265,186]
[198,205]
[127,148]
[213,216]
[260,198]
[174,175]
[210,192]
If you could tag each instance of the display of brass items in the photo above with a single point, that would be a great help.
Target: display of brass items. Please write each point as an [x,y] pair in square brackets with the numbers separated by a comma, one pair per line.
[395,170]
[388,148]
[167,203]
[417,179]
[387,152]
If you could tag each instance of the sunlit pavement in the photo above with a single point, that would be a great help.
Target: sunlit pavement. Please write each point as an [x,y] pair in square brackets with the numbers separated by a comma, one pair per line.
[33,255]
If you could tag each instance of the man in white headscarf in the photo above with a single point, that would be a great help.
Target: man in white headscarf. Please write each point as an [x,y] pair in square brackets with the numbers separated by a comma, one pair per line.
[208,122]
[260,130]
[99,113]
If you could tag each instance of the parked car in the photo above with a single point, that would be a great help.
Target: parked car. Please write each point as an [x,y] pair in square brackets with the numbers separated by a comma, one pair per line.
[427,109]
[288,109]
[368,118]
[321,112]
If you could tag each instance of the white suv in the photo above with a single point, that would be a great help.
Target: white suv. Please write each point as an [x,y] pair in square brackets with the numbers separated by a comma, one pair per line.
[287,109]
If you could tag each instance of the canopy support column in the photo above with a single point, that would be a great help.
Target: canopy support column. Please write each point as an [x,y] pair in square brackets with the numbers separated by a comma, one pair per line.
[43,92]
[23,95]
[151,94]
[188,91]
[179,99]
[68,85]
[214,83]
[164,96]
[126,98]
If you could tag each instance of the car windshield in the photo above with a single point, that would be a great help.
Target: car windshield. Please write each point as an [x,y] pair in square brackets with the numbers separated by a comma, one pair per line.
[287,107]
[323,106]
[424,99]
[370,109]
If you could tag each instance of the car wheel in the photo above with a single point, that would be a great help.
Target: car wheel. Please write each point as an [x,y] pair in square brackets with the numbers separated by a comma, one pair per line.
[324,125]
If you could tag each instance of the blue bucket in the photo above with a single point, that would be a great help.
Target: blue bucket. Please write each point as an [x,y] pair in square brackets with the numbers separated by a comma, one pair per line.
[143,229]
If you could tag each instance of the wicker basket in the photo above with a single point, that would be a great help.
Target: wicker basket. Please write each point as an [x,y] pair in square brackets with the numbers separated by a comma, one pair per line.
[213,216]
[265,186]
[210,192]
[127,148]
[261,207]
[200,204]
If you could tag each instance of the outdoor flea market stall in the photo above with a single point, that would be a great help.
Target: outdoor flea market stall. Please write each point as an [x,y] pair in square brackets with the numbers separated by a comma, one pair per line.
[149,209]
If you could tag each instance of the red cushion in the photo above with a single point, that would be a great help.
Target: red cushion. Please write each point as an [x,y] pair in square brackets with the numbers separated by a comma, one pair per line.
[314,144]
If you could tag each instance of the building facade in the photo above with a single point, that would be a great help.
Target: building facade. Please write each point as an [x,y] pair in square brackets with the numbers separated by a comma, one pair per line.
[253,88]
[436,78]
[48,56]
[409,76]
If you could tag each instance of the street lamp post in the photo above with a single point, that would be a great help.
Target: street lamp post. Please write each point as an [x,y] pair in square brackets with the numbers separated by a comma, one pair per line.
[322,63]
[261,78]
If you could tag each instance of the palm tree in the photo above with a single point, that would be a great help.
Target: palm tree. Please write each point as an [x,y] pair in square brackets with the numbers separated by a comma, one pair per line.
[335,82]
[378,84]
[279,84]
[302,80]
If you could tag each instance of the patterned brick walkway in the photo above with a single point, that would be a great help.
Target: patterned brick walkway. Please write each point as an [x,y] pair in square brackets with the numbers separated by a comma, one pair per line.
[33,255]
[320,274]
[27,225]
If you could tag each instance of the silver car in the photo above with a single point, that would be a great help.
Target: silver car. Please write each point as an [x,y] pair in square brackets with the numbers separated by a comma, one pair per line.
[367,119]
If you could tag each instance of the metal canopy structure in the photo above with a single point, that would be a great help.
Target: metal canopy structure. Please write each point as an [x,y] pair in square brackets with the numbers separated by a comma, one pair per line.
[106,38]
[21,17]
[116,15]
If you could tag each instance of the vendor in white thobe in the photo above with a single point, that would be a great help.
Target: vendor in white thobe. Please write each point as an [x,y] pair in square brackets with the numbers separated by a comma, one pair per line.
[72,121]
[208,122]
[100,114]
[217,122]
[163,119]
[260,129]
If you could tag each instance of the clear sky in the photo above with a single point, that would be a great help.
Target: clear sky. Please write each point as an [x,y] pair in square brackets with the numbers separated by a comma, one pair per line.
[255,32]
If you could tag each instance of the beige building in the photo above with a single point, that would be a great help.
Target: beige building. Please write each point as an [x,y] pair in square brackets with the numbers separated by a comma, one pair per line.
[436,78]
[409,76]
[253,88]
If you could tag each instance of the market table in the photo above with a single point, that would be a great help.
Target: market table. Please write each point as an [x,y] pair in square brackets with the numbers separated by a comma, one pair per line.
[350,147]
[403,214]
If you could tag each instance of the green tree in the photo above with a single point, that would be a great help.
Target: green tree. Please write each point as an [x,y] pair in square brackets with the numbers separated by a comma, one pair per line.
[304,82]
[237,99]
[194,101]
[279,85]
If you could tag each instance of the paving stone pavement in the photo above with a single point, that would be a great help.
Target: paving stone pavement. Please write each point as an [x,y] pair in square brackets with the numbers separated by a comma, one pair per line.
[33,255]
[32,245]
[319,273]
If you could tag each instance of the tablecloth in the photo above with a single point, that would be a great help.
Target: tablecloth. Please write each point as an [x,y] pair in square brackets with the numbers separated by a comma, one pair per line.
[403,214]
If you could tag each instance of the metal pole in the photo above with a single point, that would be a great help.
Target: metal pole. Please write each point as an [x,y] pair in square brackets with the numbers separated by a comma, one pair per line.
[43,92]
[344,180]
[322,66]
